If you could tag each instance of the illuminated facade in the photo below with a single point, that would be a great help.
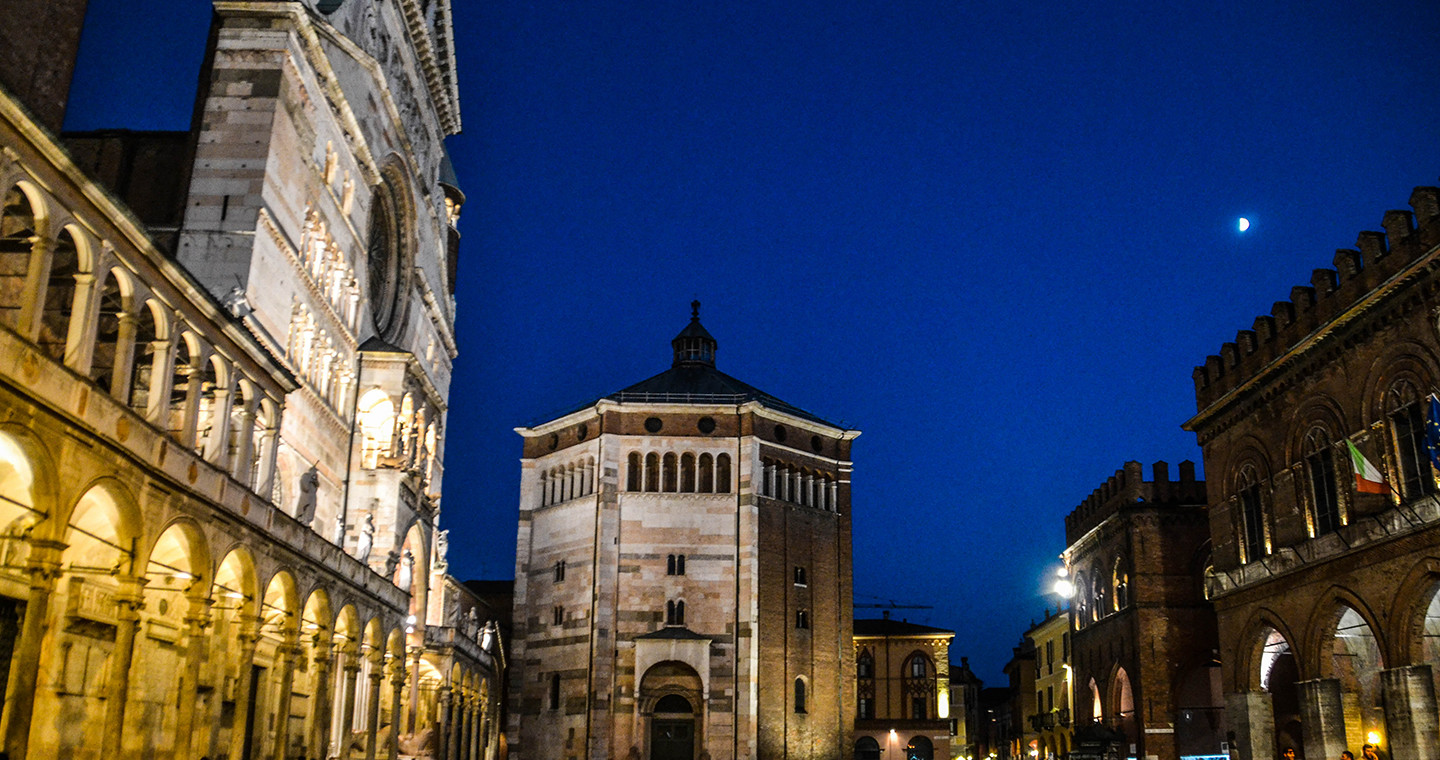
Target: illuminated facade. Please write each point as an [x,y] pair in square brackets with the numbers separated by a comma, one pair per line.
[221,419]
[682,578]
[1328,597]
[902,688]
[1052,718]
[1143,647]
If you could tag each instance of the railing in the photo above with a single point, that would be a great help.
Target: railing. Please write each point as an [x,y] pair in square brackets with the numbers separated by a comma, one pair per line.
[682,398]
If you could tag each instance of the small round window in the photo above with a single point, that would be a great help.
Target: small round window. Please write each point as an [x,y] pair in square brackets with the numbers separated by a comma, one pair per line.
[706,425]
[654,424]
[554,442]
[582,432]
[816,443]
[780,432]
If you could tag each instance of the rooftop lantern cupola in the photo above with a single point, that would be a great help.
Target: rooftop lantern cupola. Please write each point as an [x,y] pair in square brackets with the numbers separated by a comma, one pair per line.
[694,345]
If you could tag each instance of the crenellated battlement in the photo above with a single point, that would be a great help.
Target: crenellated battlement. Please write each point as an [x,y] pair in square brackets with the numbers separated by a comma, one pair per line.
[1331,294]
[1127,487]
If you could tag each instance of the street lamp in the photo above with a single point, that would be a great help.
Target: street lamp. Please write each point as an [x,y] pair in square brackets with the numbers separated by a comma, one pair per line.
[1063,585]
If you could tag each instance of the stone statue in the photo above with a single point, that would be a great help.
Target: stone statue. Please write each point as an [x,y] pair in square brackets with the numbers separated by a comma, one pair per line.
[407,570]
[309,490]
[237,303]
[392,560]
[442,549]
[367,539]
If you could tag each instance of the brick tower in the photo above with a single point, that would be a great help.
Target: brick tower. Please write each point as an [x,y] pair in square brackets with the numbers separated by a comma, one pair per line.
[683,574]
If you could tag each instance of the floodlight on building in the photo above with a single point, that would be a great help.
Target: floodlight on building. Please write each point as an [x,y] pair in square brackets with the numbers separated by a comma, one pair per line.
[1373,737]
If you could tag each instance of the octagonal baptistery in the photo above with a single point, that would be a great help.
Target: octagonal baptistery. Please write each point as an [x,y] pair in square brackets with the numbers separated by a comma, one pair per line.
[683,574]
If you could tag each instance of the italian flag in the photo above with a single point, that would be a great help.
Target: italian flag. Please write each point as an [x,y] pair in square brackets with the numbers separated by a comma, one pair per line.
[1367,477]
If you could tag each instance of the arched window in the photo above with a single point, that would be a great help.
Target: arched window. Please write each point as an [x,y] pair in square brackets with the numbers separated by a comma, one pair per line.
[1099,604]
[865,665]
[667,470]
[59,296]
[802,619]
[799,695]
[799,575]
[554,691]
[707,474]
[1407,429]
[722,473]
[652,472]
[17,243]
[1252,514]
[866,748]
[1082,600]
[1319,452]
[675,613]
[1120,580]
[917,667]
[377,428]
[670,564]
[687,473]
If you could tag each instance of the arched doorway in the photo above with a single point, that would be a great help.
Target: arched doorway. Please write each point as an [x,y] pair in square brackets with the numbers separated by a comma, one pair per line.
[671,701]
[866,748]
[672,729]
[1279,674]
[919,748]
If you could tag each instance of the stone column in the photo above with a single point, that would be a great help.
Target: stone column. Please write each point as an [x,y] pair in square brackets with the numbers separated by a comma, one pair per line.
[37,277]
[246,637]
[397,692]
[191,414]
[266,485]
[443,724]
[197,618]
[1410,718]
[162,374]
[372,708]
[80,336]
[348,687]
[128,602]
[124,359]
[1252,719]
[284,665]
[1322,712]
[474,737]
[44,569]
[413,718]
[217,442]
[457,725]
[244,435]
[320,703]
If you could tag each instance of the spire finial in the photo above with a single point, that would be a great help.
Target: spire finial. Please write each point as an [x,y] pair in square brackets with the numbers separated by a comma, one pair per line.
[695,309]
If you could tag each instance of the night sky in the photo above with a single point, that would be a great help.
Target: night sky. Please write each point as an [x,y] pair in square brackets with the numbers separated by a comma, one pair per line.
[995,237]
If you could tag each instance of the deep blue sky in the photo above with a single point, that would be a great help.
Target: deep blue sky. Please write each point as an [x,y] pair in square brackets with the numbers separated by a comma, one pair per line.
[995,237]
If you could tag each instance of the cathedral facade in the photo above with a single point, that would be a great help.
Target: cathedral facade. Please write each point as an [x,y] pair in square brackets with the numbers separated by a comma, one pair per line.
[222,403]
[683,575]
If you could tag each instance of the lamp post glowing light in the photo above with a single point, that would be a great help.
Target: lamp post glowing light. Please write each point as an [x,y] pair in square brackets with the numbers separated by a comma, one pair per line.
[1063,585]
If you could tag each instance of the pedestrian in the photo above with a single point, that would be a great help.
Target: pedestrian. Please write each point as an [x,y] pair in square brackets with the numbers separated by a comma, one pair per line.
[1345,754]
[1287,754]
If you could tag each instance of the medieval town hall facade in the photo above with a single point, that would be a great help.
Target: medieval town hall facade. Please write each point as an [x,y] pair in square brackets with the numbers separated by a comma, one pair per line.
[683,575]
